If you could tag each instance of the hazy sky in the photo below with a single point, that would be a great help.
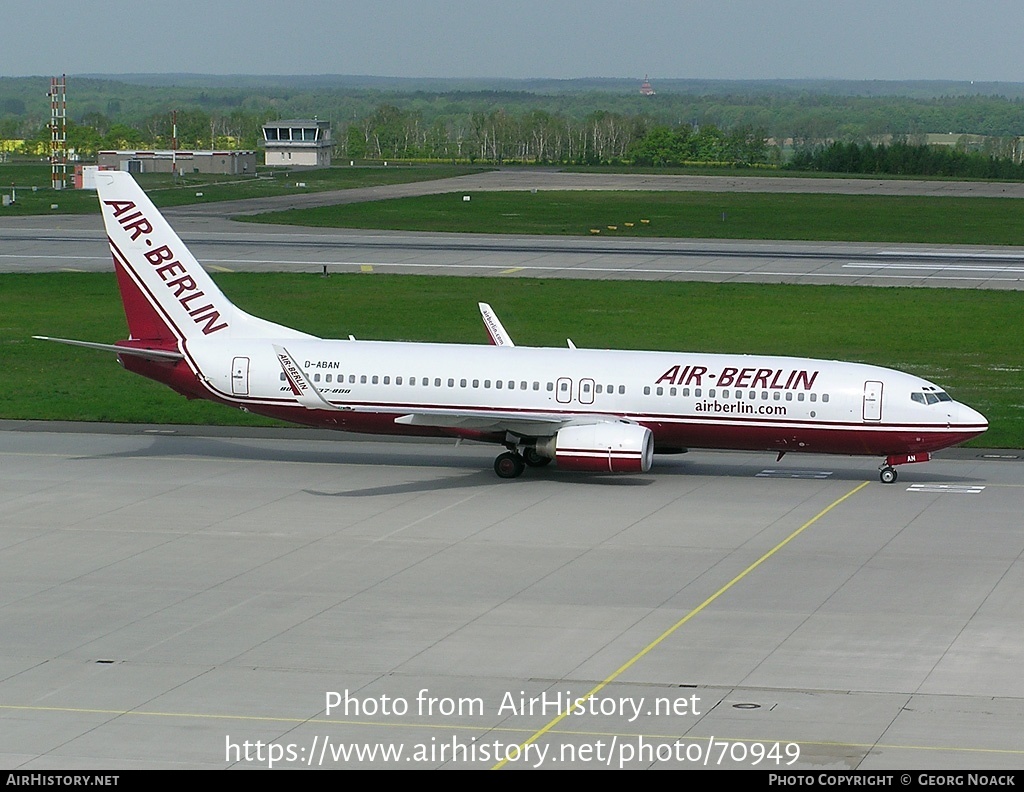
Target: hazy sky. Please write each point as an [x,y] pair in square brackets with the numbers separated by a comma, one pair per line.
[731,39]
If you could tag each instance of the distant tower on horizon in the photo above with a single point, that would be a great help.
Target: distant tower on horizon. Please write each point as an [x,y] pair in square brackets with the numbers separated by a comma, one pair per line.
[58,132]
[645,87]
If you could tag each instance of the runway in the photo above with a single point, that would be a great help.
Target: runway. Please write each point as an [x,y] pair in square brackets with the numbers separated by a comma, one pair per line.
[77,243]
[192,598]
[343,251]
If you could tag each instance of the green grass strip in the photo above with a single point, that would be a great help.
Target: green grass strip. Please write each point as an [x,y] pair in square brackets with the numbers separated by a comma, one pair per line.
[856,218]
[965,340]
[34,196]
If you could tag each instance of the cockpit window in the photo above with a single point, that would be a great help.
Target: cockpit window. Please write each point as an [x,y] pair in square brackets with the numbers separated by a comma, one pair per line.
[931,397]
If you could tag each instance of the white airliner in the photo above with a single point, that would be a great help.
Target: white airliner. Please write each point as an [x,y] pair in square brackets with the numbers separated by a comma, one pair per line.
[589,410]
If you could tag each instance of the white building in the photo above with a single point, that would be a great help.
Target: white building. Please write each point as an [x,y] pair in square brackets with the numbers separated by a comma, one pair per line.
[298,142]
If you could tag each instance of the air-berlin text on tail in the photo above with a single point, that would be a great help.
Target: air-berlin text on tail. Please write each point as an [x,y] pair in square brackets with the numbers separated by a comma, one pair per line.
[730,377]
[171,271]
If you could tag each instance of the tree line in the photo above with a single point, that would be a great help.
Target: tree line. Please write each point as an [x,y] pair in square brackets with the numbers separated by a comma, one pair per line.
[908,159]
[541,137]
[393,133]
[804,111]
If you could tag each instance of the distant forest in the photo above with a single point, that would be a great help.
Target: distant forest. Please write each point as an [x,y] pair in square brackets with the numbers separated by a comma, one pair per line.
[543,121]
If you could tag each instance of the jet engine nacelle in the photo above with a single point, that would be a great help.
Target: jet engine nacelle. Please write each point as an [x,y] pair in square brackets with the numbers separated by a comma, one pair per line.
[601,447]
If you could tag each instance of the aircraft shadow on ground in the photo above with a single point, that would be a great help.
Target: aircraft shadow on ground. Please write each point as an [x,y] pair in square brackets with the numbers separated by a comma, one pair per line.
[482,475]
[486,478]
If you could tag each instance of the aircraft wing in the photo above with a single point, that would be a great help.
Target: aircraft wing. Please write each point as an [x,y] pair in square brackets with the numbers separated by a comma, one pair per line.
[523,424]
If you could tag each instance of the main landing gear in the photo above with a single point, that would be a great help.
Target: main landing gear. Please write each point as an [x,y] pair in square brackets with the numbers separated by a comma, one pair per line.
[511,464]
[887,474]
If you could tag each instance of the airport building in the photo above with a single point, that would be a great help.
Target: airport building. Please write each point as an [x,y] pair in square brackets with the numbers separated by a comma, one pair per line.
[297,143]
[168,161]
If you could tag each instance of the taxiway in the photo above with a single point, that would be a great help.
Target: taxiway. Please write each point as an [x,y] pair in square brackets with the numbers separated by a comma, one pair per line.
[170,595]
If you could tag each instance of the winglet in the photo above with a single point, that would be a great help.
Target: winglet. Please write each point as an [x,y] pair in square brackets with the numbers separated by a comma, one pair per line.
[305,391]
[495,330]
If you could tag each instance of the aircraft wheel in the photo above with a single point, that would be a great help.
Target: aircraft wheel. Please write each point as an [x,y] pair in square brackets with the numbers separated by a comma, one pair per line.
[888,475]
[509,465]
[533,459]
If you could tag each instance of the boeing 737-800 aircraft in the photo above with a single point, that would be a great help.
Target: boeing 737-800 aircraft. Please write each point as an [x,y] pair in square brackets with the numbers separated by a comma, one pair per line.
[589,410]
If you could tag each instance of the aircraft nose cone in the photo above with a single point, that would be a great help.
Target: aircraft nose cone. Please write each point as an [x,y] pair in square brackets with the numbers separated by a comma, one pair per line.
[968,416]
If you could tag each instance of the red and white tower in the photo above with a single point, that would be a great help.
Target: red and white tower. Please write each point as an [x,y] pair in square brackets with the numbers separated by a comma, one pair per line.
[58,132]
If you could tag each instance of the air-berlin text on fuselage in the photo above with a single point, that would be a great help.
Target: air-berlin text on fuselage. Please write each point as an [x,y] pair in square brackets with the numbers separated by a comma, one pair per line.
[730,377]
[171,271]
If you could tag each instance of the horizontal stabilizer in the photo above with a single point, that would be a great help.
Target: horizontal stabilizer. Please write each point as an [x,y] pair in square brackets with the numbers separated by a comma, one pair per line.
[148,354]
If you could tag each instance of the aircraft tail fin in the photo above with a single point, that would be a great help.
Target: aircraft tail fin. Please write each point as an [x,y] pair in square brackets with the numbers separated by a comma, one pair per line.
[168,297]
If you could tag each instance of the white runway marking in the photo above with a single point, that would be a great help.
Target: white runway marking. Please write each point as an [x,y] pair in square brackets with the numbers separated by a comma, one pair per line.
[946,489]
[940,267]
[796,474]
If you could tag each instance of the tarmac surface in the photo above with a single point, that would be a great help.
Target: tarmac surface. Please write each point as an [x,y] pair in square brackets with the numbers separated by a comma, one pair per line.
[176,597]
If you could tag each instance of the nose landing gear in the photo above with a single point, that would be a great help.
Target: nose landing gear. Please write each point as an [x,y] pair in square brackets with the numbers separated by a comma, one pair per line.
[887,472]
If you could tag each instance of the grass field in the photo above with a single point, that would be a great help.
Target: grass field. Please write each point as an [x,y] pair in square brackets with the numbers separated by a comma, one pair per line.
[991,221]
[968,341]
[165,191]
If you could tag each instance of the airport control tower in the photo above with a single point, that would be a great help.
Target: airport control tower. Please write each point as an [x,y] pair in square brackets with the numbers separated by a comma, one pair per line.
[298,143]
